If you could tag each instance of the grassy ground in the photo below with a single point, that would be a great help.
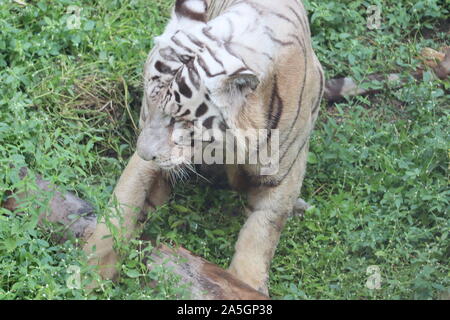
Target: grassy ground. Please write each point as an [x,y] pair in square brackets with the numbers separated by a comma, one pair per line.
[378,170]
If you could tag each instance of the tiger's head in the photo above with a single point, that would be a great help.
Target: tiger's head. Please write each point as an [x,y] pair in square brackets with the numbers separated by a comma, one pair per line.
[194,88]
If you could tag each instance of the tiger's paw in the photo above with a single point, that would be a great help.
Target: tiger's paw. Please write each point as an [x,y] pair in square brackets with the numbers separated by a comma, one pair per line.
[300,208]
[100,252]
[105,266]
[251,278]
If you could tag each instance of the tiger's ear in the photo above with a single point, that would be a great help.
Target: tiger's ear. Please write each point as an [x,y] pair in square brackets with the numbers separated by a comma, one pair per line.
[194,10]
[241,83]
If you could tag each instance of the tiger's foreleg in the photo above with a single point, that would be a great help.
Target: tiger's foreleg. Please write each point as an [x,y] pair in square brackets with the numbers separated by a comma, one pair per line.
[270,207]
[141,187]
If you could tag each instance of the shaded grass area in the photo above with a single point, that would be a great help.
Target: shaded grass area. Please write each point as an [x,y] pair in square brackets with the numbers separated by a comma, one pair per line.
[377,175]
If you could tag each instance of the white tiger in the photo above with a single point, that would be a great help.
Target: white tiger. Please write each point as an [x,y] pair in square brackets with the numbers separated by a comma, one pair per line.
[224,65]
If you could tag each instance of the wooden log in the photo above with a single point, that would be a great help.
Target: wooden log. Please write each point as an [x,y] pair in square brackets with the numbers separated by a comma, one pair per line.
[207,281]
[66,209]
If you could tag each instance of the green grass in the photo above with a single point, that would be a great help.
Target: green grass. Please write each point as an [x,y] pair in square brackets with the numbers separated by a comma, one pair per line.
[377,178]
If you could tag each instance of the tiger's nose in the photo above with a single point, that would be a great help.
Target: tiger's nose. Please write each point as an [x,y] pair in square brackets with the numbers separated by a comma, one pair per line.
[145,155]
[144,150]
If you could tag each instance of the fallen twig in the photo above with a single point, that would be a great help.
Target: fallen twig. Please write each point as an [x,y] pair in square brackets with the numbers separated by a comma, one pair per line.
[20,2]
[340,88]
